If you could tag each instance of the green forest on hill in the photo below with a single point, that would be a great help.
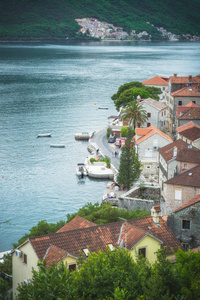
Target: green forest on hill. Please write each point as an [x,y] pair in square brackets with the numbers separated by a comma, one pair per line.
[55,20]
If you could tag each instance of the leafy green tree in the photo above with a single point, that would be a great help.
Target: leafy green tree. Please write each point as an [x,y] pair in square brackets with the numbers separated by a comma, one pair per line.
[134,114]
[107,274]
[6,266]
[126,86]
[188,269]
[4,287]
[129,169]
[46,284]
[164,280]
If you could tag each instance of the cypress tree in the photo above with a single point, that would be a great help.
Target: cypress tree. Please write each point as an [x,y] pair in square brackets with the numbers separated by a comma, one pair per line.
[129,169]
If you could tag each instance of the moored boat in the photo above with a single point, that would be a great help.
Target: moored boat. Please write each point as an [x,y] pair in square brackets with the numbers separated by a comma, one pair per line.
[57,145]
[83,136]
[81,170]
[102,107]
[43,135]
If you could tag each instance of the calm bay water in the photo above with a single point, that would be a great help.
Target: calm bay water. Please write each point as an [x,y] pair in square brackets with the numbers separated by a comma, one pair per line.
[53,88]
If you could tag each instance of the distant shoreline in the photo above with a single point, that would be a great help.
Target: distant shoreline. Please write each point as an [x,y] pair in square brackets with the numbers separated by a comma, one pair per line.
[90,40]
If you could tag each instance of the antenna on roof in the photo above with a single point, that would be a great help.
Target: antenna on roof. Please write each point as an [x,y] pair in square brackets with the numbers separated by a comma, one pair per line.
[124,233]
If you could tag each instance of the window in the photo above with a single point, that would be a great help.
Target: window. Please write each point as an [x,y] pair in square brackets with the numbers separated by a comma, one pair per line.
[186,246]
[163,88]
[25,259]
[185,224]
[148,124]
[142,252]
[162,113]
[179,103]
[72,267]
[185,166]
[178,194]
[149,115]
[194,102]
[86,252]
[165,112]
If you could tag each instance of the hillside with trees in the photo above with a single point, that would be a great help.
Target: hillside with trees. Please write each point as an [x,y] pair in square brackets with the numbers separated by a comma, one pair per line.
[55,20]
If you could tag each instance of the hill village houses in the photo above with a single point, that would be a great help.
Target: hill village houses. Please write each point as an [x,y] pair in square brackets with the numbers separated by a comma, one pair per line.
[168,146]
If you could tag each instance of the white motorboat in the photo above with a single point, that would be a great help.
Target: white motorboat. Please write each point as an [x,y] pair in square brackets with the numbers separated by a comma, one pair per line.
[43,135]
[81,170]
[85,136]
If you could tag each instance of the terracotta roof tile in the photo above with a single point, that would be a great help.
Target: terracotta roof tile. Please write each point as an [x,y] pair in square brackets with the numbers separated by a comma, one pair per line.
[154,103]
[191,114]
[76,223]
[157,80]
[187,126]
[192,104]
[151,130]
[188,91]
[184,80]
[191,134]
[187,178]
[54,254]
[190,202]
[184,153]
[98,237]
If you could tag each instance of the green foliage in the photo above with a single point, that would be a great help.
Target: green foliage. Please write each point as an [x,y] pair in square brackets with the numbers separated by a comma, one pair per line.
[92,160]
[55,20]
[4,287]
[105,213]
[6,266]
[51,283]
[129,169]
[108,132]
[129,92]
[42,228]
[113,275]
[124,130]
[135,114]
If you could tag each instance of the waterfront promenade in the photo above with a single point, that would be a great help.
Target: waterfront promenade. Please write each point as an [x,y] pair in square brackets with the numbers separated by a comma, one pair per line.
[105,148]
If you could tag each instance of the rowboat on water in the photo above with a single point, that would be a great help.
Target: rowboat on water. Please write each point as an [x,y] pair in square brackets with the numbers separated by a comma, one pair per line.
[81,170]
[101,107]
[57,145]
[44,135]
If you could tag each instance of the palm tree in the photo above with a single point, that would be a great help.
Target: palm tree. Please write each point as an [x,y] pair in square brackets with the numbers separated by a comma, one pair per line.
[135,114]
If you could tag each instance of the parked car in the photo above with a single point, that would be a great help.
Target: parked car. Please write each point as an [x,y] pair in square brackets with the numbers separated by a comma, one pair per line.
[111,139]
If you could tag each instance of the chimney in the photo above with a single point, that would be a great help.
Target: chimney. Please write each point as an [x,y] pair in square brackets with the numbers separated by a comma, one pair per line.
[190,79]
[175,152]
[175,75]
[155,213]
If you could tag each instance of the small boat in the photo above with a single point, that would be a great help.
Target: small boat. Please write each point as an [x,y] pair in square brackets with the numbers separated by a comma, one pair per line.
[57,145]
[81,170]
[101,107]
[43,135]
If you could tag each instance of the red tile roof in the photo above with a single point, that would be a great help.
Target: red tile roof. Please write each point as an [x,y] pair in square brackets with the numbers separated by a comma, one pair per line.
[184,153]
[189,203]
[188,91]
[54,254]
[191,134]
[98,237]
[76,223]
[189,178]
[157,80]
[192,113]
[182,109]
[187,126]
[147,132]
[184,80]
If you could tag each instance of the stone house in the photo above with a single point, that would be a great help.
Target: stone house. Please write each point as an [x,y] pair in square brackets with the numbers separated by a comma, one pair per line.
[190,133]
[191,114]
[180,98]
[148,141]
[181,188]
[184,222]
[174,159]
[159,82]
[140,236]
[156,112]
[178,82]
